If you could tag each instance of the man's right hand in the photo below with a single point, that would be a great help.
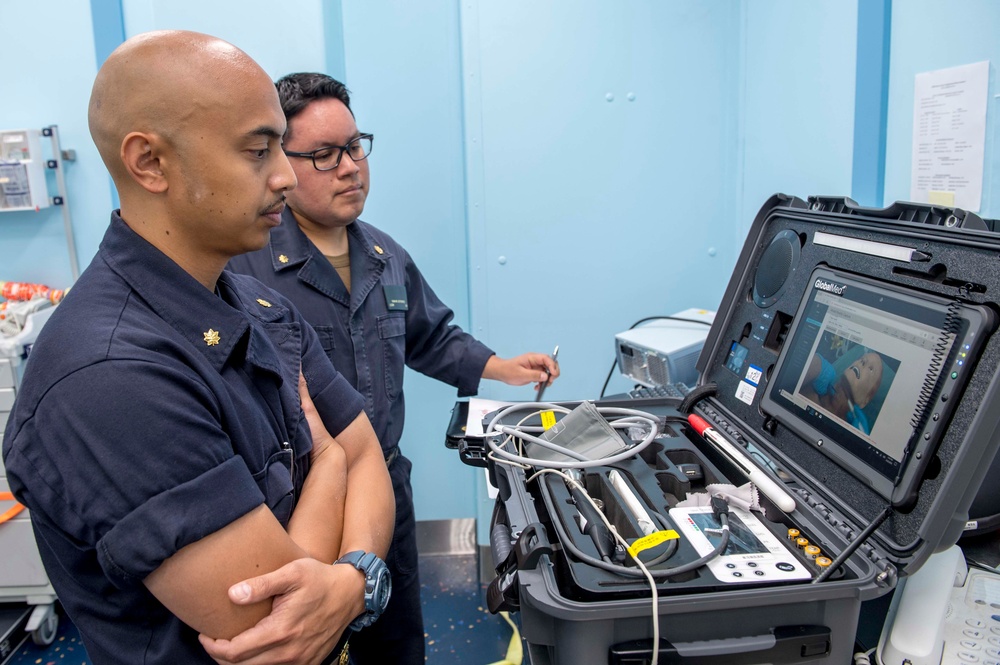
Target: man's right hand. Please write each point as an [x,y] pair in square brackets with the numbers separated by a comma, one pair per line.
[313,604]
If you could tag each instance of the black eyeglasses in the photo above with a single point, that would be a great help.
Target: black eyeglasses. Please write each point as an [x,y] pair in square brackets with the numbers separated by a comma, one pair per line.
[328,157]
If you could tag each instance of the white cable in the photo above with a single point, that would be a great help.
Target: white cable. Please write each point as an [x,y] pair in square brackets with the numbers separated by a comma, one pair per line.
[623,543]
[863,657]
[629,418]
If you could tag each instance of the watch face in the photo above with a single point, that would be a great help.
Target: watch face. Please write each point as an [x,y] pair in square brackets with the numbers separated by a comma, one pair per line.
[383,589]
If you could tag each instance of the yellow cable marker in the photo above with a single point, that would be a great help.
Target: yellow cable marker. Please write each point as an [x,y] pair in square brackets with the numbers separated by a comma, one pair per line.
[548,419]
[652,540]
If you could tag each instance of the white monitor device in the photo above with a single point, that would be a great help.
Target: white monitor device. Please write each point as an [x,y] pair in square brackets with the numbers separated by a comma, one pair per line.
[753,555]
[664,351]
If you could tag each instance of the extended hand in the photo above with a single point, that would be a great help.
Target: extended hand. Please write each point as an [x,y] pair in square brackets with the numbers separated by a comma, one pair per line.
[313,603]
[522,369]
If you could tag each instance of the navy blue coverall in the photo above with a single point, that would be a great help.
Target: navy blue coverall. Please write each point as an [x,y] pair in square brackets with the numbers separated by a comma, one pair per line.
[390,318]
[152,414]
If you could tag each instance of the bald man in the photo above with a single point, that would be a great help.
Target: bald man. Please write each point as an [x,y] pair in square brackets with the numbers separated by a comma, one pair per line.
[192,461]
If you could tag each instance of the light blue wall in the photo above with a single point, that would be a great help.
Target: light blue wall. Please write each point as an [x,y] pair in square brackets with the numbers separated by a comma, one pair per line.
[584,153]
[255,26]
[50,46]
[926,36]
[798,105]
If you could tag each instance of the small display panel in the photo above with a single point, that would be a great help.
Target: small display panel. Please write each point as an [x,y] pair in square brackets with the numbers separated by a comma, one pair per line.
[753,554]
[741,539]
[865,365]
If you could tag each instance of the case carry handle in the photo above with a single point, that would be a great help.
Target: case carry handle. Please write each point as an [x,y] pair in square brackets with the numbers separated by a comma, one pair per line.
[785,644]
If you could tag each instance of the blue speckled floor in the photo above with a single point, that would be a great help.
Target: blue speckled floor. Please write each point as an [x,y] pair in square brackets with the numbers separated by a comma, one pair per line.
[66,649]
[459,629]
[458,626]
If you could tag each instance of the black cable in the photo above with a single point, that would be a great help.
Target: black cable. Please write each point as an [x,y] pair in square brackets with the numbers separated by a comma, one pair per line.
[614,363]
[567,542]
[696,395]
[854,544]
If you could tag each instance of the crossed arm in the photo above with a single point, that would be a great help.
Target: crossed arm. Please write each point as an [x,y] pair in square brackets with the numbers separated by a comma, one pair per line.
[266,595]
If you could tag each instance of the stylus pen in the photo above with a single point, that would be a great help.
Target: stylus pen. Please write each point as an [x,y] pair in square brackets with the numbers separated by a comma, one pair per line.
[767,485]
[541,386]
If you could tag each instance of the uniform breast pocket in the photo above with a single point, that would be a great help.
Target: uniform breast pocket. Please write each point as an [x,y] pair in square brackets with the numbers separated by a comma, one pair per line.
[392,334]
[326,338]
[275,483]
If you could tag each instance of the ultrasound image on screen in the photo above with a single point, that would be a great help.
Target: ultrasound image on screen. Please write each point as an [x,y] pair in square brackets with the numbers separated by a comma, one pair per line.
[741,539]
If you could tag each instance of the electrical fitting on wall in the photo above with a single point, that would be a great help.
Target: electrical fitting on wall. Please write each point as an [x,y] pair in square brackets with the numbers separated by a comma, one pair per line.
[22,171]
[23,181]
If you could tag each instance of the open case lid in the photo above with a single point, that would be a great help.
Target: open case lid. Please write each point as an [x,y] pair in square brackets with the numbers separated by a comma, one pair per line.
[859,349]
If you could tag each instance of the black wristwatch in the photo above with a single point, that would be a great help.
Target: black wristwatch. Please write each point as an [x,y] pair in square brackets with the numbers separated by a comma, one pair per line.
[378,586]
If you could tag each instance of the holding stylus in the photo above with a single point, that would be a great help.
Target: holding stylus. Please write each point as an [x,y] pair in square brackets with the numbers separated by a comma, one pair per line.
[541,386]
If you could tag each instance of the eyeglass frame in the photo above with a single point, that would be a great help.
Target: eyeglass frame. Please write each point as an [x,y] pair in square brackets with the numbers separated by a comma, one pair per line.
[343,150]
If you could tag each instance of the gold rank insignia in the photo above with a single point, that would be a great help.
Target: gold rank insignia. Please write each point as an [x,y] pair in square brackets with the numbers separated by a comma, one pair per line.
[379,249]
[283,258]
[211,337]
[263,302]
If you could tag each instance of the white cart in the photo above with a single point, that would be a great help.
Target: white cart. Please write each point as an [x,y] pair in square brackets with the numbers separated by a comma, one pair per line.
[22,577]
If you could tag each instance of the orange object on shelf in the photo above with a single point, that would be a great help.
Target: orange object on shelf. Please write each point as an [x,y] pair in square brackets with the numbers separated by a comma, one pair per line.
[28,291]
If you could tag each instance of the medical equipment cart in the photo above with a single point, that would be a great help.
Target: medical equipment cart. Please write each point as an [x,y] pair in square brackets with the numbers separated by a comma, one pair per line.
[24,586]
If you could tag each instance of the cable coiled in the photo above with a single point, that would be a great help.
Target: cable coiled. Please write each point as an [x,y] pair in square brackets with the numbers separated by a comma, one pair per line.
[943,349]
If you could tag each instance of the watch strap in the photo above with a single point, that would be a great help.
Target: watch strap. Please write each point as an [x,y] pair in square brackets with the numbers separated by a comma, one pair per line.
[373,569]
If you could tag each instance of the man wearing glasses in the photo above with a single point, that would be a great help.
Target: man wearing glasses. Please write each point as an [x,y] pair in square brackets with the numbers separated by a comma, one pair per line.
[374,313]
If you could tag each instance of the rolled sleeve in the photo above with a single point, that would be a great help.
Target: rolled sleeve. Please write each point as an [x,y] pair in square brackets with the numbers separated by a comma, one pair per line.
[143,539]
[129,457]
[337,403]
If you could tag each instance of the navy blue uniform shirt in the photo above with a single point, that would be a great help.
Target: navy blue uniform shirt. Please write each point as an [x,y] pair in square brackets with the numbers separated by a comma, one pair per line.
[152,414]
[390,317]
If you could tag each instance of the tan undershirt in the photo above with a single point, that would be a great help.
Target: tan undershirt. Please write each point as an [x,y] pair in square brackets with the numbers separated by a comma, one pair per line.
[342,264]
